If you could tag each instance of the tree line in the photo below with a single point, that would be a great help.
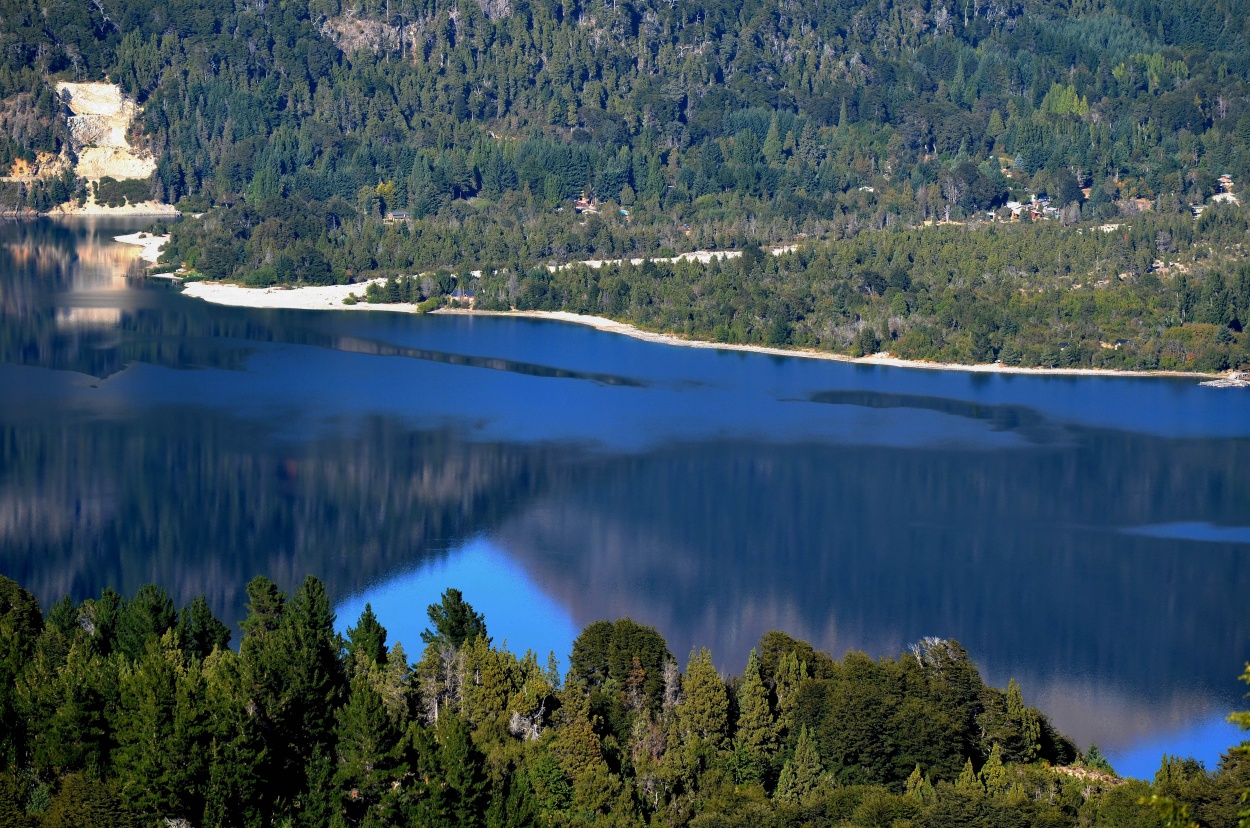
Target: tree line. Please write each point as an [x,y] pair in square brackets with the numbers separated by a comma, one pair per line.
[124,711]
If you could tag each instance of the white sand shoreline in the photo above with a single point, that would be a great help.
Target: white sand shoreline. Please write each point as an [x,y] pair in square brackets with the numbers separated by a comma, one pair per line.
[331,298]
[151,245]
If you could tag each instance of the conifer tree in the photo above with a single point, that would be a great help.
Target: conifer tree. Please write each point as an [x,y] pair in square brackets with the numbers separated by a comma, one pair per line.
[967,781]
[366,642]
[576,744]
[757,730]
[237,753]
[12,804]
[993,775]
[703,714]
[463,772]
[790,673]
[367,740]
[199,631]
[453,621]
[162,733]
[801,774]
[20,626]
[321,806]
[1028,726]
[919,788]
[147,615]
[85,802]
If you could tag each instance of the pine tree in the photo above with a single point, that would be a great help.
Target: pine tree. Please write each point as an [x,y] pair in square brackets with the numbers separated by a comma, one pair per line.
[488,685]
[968,783]
[1027,724]
[199,632]
[993,775]
[703,714]
[367,743]
[919,788]
[237,754]
[463,772]
[85,802]
[12,804]
[772,142]
[790,673]
[322,806]
[757,730]
[162,733]
[366,641]
[576,744]
[454,621]
[20,626]
[313,673]
[801,774]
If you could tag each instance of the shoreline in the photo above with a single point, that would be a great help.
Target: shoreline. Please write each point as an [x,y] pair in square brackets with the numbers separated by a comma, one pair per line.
[150,246]
[883,358]
[331,298]
[144,209]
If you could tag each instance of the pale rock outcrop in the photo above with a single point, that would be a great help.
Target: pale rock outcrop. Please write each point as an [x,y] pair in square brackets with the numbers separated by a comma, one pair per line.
[100,117]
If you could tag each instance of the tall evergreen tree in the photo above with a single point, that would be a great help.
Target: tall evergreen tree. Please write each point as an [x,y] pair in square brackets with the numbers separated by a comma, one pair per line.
[757,729]
[801,774]
[149,614]
[162,733]
[453,621]
[366,641]
[703,714]
[199,631]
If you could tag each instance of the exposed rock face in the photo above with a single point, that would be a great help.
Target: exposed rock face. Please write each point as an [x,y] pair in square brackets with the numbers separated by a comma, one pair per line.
[100,117]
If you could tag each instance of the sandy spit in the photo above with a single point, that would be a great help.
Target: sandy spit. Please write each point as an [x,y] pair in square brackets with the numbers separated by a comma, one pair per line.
[150,245]
[327,298]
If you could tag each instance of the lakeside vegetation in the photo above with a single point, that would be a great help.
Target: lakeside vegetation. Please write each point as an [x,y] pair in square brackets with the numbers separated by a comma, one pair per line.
[327,141]
[122,711]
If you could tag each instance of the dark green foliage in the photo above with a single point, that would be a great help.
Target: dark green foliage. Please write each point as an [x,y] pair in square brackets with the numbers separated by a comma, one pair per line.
[199,631]
[277,734]
[368,743]
[453,620]
[20,626]
[86,802]
[146,616]
[626,653]
[366,641]
[113,193]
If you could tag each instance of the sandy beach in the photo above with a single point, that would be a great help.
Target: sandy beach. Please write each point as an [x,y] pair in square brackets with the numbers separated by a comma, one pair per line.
[331,298]
[151,245]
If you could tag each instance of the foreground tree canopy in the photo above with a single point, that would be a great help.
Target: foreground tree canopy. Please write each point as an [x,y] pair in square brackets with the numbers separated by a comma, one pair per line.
[120,711]
[327,141]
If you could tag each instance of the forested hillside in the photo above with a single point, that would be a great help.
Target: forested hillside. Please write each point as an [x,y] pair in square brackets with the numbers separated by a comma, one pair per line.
[122,711]
[299,127]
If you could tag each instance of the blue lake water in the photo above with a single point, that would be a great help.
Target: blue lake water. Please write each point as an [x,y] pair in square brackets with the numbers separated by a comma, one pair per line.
[1087,536]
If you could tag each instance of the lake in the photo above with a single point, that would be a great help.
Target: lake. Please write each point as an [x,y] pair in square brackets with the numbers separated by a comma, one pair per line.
[1089,536]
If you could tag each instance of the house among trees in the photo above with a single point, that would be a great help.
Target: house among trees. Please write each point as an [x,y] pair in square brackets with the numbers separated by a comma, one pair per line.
[586,204]
[397,215]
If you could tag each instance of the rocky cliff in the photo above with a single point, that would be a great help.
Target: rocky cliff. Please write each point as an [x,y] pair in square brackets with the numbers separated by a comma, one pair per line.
[100,116]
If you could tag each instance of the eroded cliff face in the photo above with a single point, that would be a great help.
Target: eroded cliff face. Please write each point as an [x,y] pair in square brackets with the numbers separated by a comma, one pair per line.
[100,117]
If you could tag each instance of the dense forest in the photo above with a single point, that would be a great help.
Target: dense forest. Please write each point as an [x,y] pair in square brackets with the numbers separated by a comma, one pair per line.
[330,141]
[123,711]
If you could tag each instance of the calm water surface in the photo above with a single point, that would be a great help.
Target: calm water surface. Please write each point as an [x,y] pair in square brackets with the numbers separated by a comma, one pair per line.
[1090,537]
